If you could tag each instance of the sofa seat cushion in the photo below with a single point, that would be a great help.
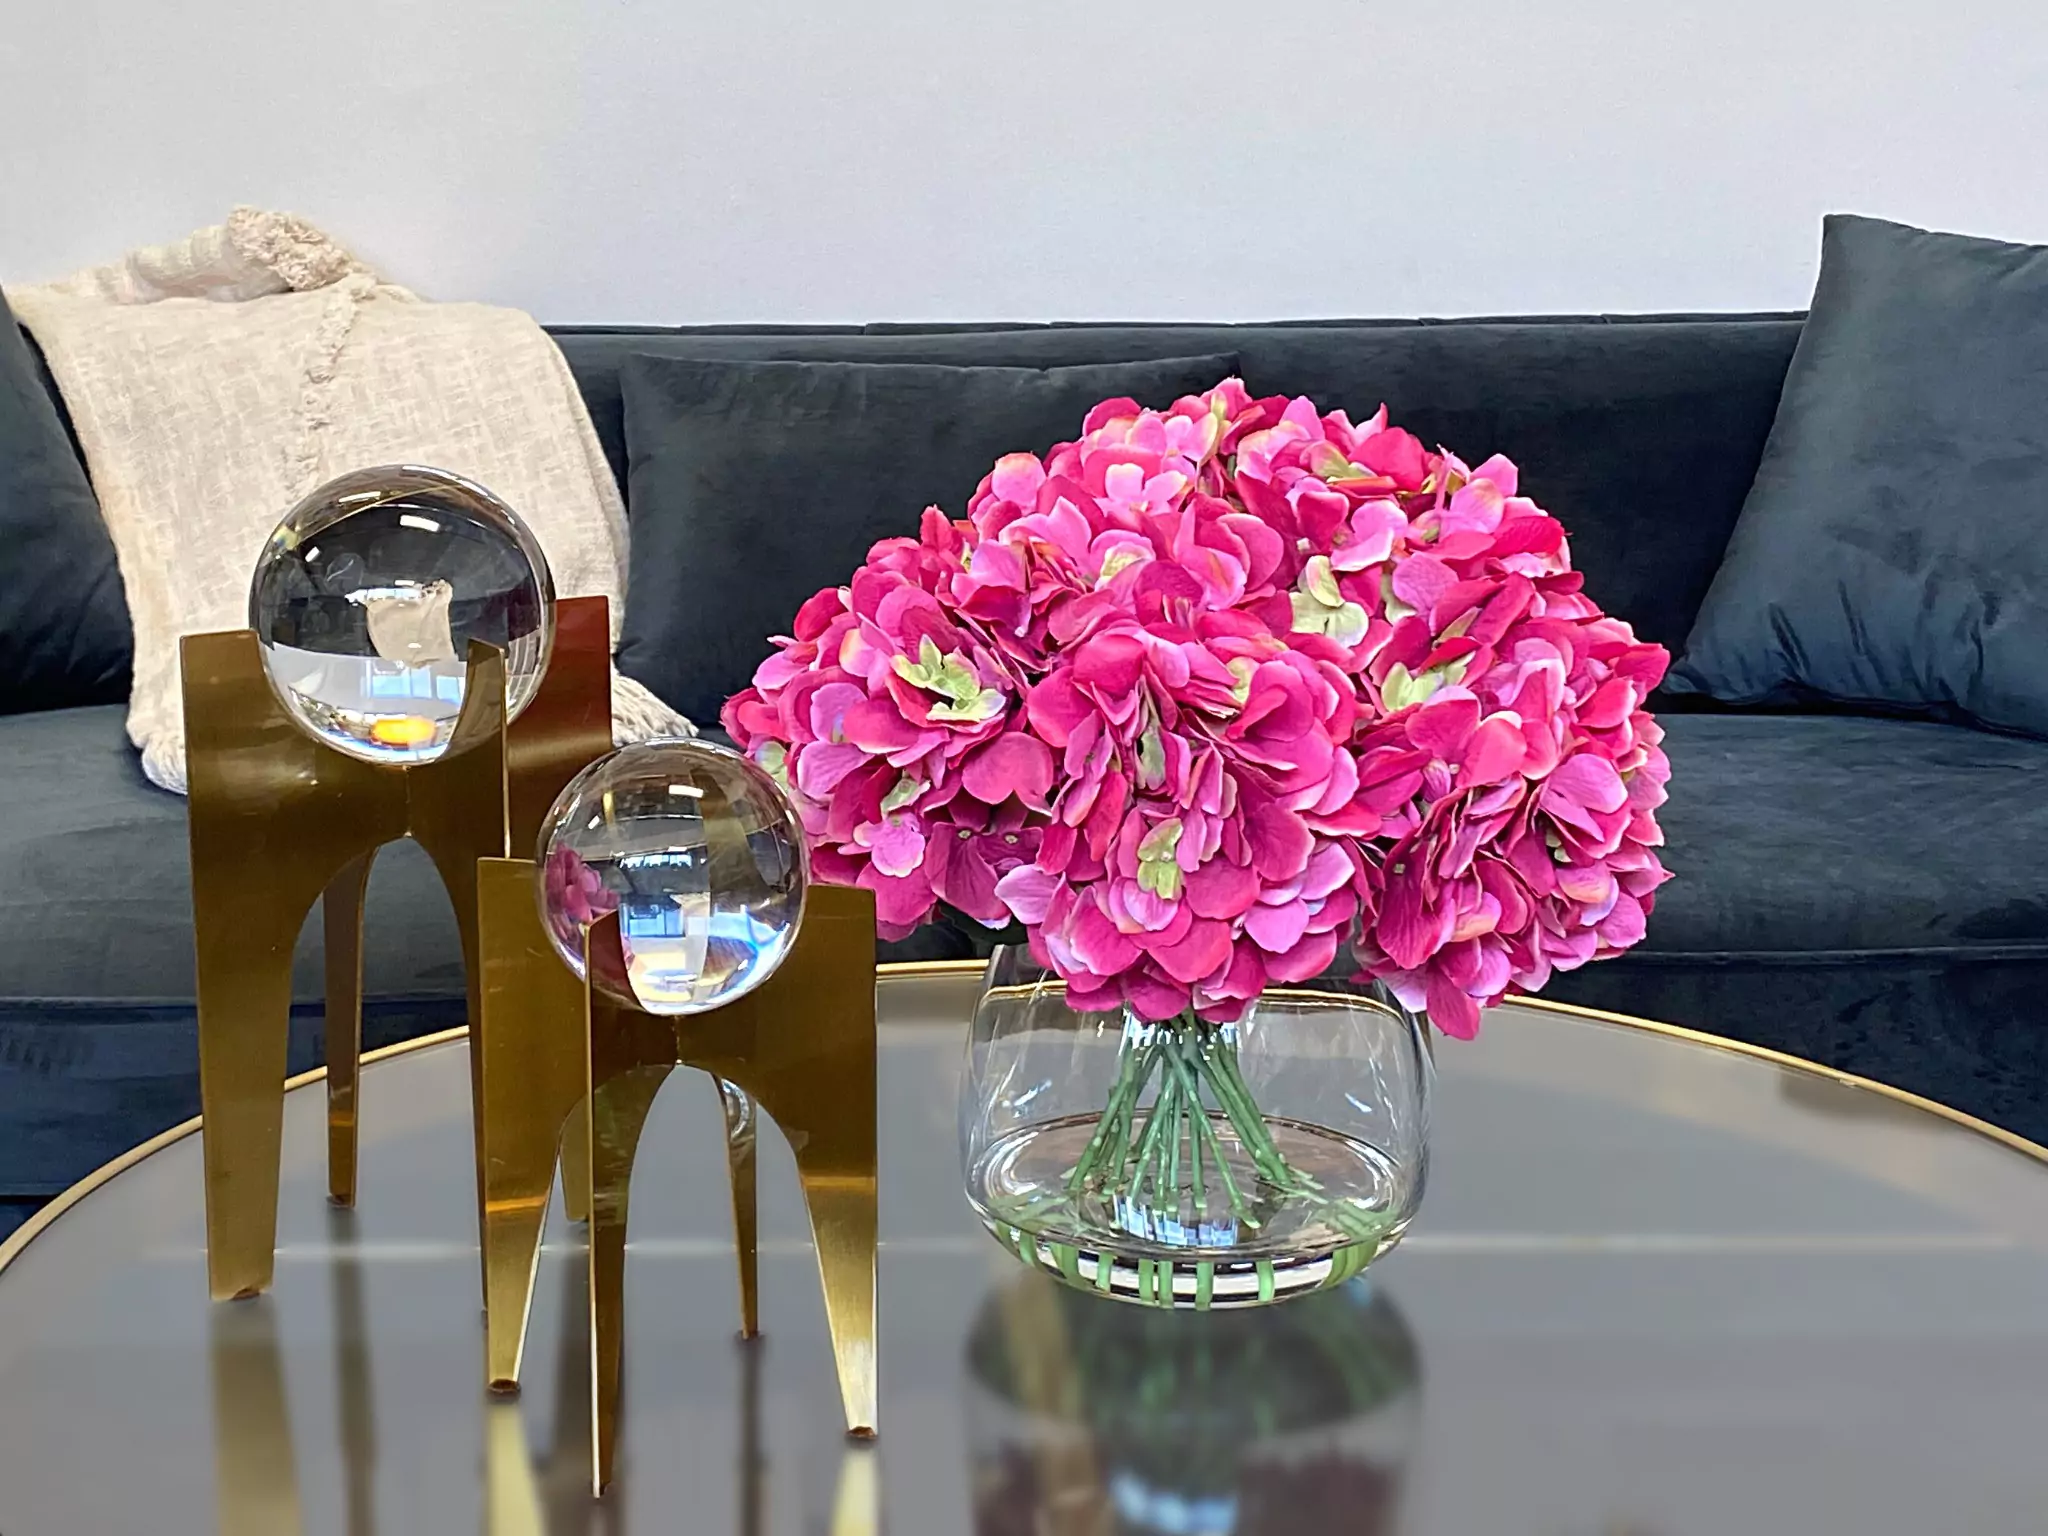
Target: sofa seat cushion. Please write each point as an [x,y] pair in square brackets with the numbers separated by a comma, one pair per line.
[96,891]
[1787,834]
[1844,836]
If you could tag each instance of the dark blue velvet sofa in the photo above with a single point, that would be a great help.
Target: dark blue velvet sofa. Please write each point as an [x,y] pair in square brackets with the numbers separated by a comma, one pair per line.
[1868,893]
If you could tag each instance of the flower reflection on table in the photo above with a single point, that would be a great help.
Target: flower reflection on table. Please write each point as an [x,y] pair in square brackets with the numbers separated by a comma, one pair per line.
[1099,1419]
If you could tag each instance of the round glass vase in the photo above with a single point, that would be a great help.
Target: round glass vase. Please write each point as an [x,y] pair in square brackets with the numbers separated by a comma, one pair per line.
[1181,1163]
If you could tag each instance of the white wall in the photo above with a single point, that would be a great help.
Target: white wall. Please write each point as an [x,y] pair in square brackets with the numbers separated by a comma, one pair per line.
[677,160]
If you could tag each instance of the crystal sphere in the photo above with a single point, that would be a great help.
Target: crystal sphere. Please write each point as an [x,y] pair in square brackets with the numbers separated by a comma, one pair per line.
[699,853]
[368,593]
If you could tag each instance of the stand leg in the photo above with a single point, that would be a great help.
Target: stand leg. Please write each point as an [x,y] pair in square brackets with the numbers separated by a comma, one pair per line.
[532,1065]
[618,1111]
[576,1165]
[459,875]
[515,1214]
[341,922]
[245,993]
[843,1224]
[741,1143]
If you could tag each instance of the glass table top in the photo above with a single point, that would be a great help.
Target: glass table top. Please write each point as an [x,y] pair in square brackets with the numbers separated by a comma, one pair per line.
[1656,1287]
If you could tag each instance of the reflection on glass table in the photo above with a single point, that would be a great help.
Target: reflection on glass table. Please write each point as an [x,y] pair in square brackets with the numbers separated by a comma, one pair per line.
[1103,1417]
[527,1490]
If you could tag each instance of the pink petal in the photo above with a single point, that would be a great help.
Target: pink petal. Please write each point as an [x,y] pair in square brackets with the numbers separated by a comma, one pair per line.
[1330,868]
[901,902]
[1096,940]
[1017,477]
[1451,1009]
[1585,780]
[829,705]
[1013,764]
[963,879]
[1027,891]
[1626,924]
[1496,751]
[1154,997]
[1307,960]
[876,726]
[1057,708]
[1280,841]
[1612,702]
[1395,453]
[997,565]
[821,766]
[1421,579]
[1277,929]
[1110,664]
[898,847]
[1441,726]
[1500,469]
[1221,889]
[1408,930]
[1198,953]
[1145,909]
[1246,977]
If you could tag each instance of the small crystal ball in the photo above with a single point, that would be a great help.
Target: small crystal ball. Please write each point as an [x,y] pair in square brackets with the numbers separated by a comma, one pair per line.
[366,597]
[699,853]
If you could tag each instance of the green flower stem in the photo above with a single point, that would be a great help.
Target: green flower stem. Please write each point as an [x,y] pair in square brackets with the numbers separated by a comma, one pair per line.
[1135,1155]
[1181,1126]
[1226,1081]
[1205,1132]
[1123,1154]
[1114,1127]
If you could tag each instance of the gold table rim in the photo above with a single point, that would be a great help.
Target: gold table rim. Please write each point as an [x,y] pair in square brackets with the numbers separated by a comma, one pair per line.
[15,1244]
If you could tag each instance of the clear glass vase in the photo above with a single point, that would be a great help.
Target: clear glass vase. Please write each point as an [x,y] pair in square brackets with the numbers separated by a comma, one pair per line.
[1189,1164]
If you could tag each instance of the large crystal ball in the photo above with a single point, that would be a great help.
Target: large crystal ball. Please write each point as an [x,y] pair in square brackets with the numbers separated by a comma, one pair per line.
[366,597]
[701,856]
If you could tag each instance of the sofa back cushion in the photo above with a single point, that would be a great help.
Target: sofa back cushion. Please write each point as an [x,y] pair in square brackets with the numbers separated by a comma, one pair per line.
[1890,556]
[1642,436]
[64,632]
[755,484]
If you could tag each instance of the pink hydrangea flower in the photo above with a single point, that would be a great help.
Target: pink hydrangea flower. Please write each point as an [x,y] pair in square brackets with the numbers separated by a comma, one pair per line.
[1208,692]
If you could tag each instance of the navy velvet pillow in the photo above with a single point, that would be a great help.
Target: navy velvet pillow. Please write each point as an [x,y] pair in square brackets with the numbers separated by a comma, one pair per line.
[64,632]
[752,485]
[1893,552]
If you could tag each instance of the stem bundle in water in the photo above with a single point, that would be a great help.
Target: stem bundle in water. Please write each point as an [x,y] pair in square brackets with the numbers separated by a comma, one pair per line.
[1172,1163]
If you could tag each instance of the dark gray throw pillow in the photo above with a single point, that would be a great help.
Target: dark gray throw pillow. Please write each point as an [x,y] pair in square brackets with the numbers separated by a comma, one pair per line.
[1893,552]
[64,632]
[752,485]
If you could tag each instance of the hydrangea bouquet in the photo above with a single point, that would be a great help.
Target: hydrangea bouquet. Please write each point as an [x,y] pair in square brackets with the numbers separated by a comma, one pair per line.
[1211,691]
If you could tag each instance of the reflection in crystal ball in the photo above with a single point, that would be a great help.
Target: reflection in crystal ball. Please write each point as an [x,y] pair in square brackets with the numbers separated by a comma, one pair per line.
[700,855]
[367,595]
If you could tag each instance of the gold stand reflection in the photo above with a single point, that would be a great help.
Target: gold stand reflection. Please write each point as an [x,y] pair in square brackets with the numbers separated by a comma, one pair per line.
[277,821]
[255,1473]
[523,1494]
[802,1045]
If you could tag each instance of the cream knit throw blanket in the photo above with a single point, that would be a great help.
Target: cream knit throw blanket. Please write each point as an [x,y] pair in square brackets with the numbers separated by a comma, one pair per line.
[216,381]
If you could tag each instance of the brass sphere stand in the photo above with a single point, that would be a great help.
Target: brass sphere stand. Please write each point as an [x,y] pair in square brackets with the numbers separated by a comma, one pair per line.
[802,1044]
[279,820]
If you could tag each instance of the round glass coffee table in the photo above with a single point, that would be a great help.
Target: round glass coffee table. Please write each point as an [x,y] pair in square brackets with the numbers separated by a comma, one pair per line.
[1659,1285]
